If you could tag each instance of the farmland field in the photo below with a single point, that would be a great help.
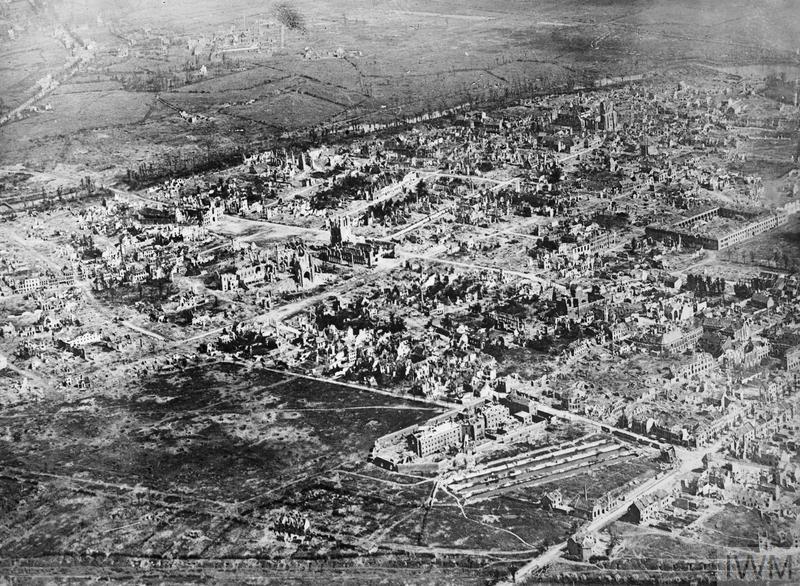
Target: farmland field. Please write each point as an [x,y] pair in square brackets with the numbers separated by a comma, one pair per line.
[354,60]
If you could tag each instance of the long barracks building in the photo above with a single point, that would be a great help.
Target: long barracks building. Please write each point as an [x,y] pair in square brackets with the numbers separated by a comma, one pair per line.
[716,228]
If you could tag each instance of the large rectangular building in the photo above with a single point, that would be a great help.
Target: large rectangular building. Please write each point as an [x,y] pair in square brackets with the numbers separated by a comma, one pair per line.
[438,439]
[792,359]
[716,228]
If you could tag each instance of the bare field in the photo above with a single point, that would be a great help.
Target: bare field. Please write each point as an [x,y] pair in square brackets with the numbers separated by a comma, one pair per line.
[82,112]
[247,80]
[217,422]
[399,58]
[23,63]
[223,454]
[287,111]
[213,448]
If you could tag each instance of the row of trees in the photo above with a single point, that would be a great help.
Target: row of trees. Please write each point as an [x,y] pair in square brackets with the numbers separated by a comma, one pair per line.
[171,166]
[704,286]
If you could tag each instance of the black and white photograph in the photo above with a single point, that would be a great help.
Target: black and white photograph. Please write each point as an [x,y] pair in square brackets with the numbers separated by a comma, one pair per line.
[400,292]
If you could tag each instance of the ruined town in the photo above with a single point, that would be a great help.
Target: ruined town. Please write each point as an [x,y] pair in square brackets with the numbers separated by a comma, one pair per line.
[543,335]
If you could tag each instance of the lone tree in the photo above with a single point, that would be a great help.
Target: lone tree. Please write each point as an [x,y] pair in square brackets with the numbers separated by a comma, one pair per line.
[288,16]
